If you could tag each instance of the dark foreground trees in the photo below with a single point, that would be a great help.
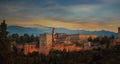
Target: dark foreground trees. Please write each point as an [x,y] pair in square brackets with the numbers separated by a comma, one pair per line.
[106,56]
[5,53]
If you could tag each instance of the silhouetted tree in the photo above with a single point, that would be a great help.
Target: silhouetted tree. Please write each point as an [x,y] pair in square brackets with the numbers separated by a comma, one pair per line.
[90,39]
[106,41]
[5,49]
[112,37]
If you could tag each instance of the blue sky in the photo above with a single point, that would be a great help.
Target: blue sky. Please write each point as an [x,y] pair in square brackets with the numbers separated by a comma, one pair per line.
[70,14]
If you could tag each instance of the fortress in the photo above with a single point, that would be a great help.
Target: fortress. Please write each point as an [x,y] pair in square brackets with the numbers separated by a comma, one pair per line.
[69,42]
[60,41]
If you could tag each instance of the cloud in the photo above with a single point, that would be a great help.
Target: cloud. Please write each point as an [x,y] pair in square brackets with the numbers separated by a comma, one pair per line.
[77,14]
[111,1]
[13,8]
[51,9]
[91,26]
[83,11]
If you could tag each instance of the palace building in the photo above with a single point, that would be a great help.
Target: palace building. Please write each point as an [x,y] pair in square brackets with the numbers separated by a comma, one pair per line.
[58,41]
[61,41]
[45,40]
[30,48]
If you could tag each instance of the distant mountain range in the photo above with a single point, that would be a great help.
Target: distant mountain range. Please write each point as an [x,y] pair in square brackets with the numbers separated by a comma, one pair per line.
[36,31]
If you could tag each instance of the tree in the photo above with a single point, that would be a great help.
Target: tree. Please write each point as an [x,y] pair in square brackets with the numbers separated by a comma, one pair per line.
[15,37]
[90,39]
[112,37]
[106,41]
[32,38]
[3,30]
[5,53]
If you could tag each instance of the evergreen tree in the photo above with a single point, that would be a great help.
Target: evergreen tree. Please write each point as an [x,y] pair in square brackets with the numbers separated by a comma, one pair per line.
[5,53]
[90,39]
[3,30]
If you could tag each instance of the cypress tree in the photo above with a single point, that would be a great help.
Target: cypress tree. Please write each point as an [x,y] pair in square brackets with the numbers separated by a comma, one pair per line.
[5,49]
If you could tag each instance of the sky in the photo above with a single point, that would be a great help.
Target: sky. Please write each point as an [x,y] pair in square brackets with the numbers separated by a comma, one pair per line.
[92,15]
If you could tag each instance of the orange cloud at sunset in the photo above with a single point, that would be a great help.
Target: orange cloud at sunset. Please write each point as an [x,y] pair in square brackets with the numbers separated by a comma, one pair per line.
[91,26]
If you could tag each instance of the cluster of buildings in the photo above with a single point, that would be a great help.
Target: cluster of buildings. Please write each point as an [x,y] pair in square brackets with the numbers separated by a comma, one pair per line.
[62,41]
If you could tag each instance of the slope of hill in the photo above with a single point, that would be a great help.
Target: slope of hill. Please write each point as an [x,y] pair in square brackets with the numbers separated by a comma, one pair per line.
[37,31]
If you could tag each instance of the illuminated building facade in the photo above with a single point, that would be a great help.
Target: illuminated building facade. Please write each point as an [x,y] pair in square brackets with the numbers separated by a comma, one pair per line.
[61,41]
[30,48]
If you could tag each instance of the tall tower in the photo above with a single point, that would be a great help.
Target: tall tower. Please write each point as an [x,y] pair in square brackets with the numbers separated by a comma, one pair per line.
[53,36]
[53,31]
[119,32]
